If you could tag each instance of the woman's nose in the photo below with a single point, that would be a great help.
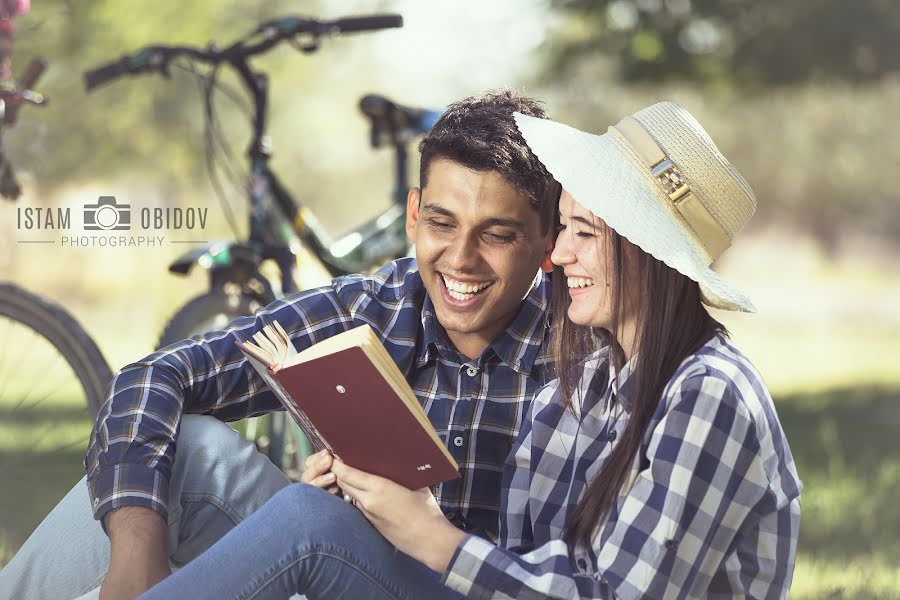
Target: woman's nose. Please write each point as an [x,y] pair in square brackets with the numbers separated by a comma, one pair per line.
[562,251]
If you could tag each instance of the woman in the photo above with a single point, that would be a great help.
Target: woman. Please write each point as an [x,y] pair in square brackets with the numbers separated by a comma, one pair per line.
[656,468]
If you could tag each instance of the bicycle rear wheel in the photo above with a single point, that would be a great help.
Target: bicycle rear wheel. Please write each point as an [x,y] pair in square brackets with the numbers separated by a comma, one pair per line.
[52,382]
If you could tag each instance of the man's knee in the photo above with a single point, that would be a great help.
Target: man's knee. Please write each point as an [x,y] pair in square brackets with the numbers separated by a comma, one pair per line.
[210,437]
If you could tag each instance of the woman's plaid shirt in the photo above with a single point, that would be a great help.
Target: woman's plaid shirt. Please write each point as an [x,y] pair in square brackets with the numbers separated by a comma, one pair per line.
[476,406]
[712,507]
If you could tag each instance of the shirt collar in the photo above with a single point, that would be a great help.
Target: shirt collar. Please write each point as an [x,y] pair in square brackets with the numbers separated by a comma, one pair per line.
[433,335]
[621,382]
[518,345]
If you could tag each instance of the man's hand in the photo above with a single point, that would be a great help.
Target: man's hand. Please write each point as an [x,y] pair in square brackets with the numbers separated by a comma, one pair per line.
[139,556]
[411,520]
[318,471]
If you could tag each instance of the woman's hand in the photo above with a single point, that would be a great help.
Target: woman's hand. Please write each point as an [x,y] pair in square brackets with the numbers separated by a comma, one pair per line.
[411,520]
[318,471]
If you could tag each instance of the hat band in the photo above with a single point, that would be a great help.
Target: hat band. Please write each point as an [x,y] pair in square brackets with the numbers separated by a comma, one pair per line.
[704,226]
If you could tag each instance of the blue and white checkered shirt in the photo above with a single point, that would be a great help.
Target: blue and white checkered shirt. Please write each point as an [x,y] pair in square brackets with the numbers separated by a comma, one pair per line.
[476,406]
[711,509]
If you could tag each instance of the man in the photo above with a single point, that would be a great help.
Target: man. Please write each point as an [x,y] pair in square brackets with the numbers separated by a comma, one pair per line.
[466,322]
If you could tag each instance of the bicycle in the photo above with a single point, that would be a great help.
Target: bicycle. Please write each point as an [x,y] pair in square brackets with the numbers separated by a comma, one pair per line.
[280,227]
[52,374]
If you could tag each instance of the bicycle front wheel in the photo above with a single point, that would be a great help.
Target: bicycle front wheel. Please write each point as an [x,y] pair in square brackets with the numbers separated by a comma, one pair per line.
[52,383]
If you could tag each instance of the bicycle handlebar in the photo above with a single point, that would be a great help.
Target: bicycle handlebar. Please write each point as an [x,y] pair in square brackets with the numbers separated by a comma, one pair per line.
[372,23]
[101,75]
[157,58]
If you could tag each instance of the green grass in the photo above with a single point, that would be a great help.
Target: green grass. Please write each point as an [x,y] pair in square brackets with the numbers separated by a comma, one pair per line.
[847,451]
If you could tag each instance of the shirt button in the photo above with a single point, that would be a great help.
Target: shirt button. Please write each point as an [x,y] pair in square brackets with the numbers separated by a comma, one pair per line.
[458,441]
[96,501]
[471,371]
[669,544]
[582,564]
[611,436]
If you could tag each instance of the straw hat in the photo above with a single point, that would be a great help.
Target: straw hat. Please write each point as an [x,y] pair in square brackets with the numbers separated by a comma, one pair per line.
[658,180]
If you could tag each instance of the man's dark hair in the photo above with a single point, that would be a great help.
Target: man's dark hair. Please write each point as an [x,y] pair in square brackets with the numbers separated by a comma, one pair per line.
[480,133]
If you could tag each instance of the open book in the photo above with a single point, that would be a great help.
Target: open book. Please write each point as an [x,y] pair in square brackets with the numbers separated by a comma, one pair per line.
[347,395]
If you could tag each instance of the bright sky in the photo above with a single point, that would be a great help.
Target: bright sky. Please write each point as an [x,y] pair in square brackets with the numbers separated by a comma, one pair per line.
[453,49]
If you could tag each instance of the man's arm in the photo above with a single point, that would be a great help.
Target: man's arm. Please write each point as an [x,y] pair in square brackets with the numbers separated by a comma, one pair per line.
[139,556]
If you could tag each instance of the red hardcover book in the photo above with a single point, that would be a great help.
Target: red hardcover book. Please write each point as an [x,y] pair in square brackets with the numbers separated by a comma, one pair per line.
[347,395]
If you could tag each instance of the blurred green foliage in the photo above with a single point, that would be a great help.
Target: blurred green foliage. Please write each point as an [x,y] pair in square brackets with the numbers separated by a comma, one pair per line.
[747,43]
[129,123]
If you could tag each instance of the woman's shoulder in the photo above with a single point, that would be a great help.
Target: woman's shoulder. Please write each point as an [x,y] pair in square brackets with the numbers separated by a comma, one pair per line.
[719,360]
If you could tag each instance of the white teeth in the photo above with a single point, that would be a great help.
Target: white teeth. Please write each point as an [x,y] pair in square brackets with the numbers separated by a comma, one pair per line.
[463,291]
[459,296]
[579,282]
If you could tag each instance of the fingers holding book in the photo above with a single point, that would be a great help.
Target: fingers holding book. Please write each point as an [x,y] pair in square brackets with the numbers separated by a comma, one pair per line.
[318,472]
[410,519]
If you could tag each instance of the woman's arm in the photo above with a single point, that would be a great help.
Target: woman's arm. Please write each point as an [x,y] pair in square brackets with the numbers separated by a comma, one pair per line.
[411,520]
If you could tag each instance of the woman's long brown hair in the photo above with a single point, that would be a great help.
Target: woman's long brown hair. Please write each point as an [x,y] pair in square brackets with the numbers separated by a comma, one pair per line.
[672,324]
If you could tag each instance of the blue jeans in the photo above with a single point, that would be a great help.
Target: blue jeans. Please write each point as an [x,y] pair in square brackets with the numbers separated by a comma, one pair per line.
[218,480]
[304,540]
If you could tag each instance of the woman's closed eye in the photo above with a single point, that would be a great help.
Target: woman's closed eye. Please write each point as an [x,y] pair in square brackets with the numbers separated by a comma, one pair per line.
[582,232]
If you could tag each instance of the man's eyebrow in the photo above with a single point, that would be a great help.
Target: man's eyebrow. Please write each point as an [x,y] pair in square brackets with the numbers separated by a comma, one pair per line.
[500,222]
[430,207]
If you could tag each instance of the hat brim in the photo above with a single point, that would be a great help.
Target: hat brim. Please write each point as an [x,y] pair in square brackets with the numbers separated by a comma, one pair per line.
[602,173]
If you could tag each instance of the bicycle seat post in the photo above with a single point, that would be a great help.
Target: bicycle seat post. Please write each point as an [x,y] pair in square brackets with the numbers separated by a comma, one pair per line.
[401,176]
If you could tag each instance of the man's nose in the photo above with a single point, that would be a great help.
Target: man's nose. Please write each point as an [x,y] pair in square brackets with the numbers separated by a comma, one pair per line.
[462,252]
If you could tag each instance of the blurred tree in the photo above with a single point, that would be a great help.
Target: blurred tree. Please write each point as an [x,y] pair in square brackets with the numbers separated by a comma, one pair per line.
[742,43]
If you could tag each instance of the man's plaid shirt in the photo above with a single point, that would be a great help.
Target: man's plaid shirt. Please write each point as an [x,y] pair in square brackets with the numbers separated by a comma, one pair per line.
[476,406]
[711,509]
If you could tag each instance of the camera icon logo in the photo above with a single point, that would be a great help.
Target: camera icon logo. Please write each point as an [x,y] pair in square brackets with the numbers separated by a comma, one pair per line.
[107,215]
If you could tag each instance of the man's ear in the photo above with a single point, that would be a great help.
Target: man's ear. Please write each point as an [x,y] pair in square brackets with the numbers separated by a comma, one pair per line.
[546,263]
[413,200]
[551,242]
